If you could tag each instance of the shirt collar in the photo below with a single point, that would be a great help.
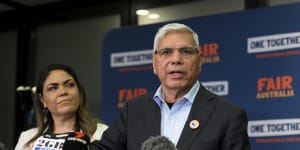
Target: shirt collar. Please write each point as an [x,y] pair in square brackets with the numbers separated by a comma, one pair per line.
[190,96]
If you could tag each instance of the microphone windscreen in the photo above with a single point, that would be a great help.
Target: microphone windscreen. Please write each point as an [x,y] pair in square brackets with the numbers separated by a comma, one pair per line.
[158,143]
[77,141]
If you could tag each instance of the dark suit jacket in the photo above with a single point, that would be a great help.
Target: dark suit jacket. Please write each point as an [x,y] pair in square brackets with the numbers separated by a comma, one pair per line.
[223,125]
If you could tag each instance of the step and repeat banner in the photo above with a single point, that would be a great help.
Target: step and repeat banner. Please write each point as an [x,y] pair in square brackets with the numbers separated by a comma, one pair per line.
[251,57]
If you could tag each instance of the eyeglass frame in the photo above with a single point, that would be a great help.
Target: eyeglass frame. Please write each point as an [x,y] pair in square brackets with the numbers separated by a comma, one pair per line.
[181,50]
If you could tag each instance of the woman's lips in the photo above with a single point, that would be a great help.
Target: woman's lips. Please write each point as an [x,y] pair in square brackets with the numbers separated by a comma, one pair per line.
[64,101]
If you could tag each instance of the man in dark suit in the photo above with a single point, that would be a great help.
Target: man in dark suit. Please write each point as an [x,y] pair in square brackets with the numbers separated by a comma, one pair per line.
[181,109]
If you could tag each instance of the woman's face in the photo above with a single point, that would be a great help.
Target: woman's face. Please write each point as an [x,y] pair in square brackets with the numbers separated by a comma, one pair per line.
[60,94]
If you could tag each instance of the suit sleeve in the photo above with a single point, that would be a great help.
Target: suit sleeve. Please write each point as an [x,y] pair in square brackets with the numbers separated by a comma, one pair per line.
[114,138]
[236,137]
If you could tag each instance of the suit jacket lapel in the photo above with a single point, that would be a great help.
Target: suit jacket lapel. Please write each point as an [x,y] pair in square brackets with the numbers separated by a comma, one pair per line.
[152,111]
[200,111]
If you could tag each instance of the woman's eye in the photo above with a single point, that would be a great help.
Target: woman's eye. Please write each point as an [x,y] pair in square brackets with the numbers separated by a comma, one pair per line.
[70,84]
[52,88]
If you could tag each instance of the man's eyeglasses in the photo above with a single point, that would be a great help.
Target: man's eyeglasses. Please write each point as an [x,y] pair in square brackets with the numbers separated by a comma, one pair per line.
[185,51]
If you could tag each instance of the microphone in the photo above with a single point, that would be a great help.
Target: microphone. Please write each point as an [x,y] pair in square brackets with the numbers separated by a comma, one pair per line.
[158,143]
[77,141]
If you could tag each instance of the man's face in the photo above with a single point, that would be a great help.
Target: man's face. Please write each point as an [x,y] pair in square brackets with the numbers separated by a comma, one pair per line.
[175,66]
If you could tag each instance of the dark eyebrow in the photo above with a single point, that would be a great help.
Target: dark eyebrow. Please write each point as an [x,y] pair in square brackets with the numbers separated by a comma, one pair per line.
[52,84]
[65,82]
[69,80]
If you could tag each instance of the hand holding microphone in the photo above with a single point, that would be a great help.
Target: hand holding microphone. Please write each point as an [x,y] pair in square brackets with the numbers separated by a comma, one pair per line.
[77,141]
[158,143]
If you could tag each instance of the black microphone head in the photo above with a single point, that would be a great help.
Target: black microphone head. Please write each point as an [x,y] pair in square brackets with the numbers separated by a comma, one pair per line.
[77,141]
[158,143]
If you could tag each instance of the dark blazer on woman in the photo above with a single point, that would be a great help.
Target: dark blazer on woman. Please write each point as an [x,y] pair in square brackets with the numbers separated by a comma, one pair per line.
[222,125]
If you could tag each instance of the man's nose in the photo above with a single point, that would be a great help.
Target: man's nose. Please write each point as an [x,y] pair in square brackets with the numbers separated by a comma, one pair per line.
[176,57]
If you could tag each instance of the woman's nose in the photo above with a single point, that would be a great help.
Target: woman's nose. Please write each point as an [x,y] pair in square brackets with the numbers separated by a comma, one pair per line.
[63,91]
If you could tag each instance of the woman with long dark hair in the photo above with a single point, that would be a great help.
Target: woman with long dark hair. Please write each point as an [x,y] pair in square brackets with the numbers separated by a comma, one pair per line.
[60,109]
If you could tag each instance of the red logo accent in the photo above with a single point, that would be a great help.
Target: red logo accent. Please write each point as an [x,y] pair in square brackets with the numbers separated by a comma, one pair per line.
[79,134]
[129,94]
[275,83]
[210,52]
[275,87]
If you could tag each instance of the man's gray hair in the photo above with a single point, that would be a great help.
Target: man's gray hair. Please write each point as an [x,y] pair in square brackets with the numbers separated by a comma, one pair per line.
[174,27]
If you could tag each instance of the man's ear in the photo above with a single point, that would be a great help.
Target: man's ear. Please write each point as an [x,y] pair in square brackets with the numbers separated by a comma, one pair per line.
[201,60]
[153,64]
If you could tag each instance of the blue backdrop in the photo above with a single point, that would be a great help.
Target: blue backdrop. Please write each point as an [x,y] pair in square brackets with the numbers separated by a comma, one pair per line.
[251,57]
